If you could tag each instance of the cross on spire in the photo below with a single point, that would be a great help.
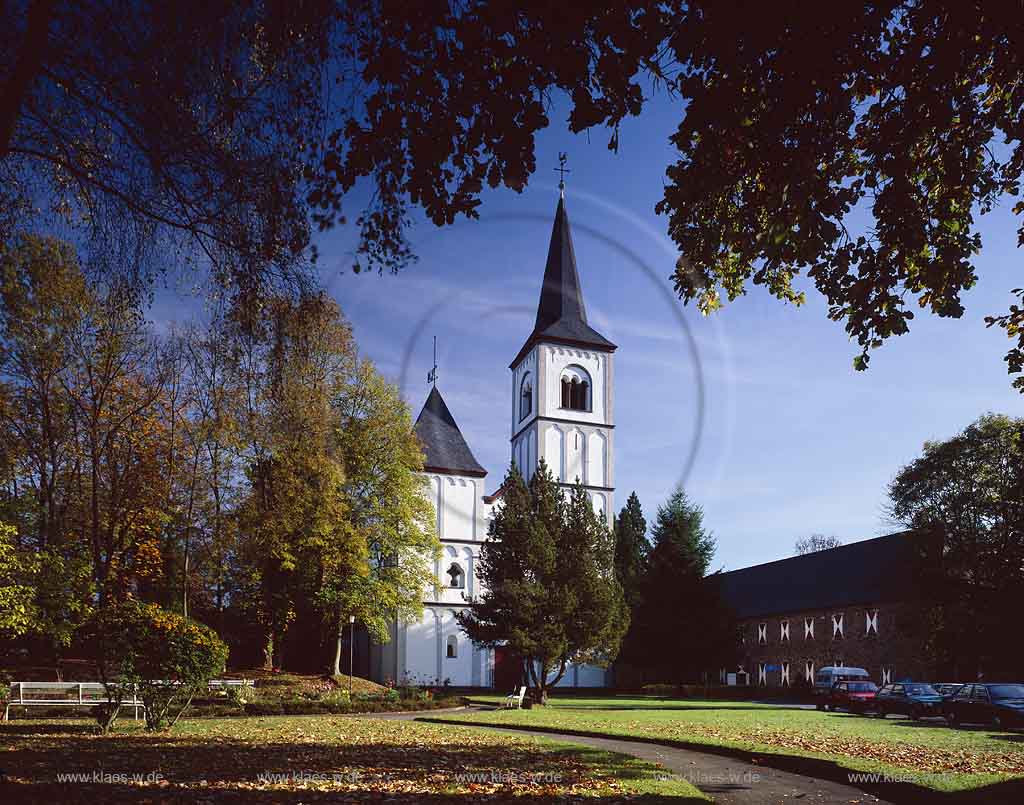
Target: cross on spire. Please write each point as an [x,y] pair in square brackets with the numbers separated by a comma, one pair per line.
[432,374]
[562,170]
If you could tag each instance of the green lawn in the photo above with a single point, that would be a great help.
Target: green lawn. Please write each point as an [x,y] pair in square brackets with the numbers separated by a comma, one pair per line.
[937,756]
[312,759]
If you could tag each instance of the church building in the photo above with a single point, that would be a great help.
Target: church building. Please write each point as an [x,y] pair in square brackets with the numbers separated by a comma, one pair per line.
[561,412]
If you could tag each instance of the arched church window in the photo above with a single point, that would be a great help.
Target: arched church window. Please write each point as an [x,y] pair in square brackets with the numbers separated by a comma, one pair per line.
[526,398]
[575,389]
[456,577]
[453,647]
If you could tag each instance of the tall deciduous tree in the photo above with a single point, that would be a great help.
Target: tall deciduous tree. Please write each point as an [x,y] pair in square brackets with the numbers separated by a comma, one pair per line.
[42,292]
[548,573]
[215,432]
[19,571]
[964,497]
[81,381]
[798,123]
[387,509]
[253,120]
[115,383]
[294,520]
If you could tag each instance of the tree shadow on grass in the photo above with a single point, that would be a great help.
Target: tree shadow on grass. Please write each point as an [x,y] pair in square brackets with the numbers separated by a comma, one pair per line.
[955,730]
[556,703]
[125,794]
[225,769]
[682,706]
[1010,737]
[23,728]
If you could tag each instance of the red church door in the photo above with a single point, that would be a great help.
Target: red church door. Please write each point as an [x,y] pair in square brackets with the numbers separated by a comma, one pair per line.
[508,669]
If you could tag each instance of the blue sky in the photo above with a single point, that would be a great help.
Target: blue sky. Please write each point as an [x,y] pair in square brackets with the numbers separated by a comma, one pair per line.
[793,441]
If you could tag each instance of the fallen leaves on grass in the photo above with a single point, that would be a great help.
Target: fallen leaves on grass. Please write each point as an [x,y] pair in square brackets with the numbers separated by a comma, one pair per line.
[900,755]
[350,759]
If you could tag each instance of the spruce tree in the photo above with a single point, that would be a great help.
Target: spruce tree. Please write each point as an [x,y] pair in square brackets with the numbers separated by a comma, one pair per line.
[631,556]
[631,549]
[549,587]
[682,626]
[598,615]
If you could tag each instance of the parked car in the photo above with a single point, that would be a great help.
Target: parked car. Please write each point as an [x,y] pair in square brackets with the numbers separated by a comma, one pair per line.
[1000,704]
[852,696]
[947,689]
[914,699]
[827,677]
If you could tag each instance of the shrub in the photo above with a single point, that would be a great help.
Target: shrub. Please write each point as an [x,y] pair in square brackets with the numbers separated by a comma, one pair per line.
[337,696]
[240,695]
[106,713]
[5,688]
[161,656]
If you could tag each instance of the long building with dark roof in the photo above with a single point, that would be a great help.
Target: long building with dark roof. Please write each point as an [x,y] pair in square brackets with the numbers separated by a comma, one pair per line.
[855,605]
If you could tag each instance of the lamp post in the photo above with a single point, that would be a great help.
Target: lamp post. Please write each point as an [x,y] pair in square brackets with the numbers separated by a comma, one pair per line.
[351,648]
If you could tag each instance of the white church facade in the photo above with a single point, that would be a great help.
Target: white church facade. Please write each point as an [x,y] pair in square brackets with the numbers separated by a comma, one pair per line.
[562,412]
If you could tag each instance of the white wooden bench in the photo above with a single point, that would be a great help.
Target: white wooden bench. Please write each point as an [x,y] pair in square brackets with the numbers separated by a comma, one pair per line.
[84,694]
[224,684]
[63,694]
[515,700]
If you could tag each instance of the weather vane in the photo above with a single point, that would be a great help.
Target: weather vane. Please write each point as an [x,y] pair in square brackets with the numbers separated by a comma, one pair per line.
[562,170]
[432,374]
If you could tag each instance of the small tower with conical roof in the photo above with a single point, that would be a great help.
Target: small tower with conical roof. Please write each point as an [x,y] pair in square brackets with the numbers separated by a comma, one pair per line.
[563,383]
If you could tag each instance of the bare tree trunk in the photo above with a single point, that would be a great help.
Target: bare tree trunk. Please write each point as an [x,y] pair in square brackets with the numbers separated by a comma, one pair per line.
[184,583]
[188,531]
[182,710]
[537,680]
[268,650]
[339,630]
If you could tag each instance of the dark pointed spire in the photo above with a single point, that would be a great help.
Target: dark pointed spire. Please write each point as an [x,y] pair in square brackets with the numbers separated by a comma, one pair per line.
[444,447]
[561,313]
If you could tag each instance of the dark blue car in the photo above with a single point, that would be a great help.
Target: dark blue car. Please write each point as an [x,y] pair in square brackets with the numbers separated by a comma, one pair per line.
[914,699]
[1000,704]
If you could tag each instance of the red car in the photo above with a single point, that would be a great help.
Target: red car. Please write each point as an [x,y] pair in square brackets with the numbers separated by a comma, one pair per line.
[854,697]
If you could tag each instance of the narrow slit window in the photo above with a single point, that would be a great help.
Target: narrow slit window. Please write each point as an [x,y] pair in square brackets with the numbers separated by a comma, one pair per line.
[526,398]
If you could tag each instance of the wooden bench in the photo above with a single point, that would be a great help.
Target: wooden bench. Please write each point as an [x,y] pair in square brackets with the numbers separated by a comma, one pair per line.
[63,694]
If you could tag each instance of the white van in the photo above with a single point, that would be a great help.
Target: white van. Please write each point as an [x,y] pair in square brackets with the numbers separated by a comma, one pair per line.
[830,674]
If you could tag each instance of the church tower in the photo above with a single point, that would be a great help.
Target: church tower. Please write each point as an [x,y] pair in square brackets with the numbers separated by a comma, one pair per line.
[563,383]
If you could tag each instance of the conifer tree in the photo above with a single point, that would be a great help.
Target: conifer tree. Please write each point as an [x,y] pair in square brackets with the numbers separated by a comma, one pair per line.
[631,549]
[550,592]
[682,626]
[631,557]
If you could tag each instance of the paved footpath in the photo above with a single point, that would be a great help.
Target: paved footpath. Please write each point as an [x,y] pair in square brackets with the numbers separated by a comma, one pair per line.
[726,780]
